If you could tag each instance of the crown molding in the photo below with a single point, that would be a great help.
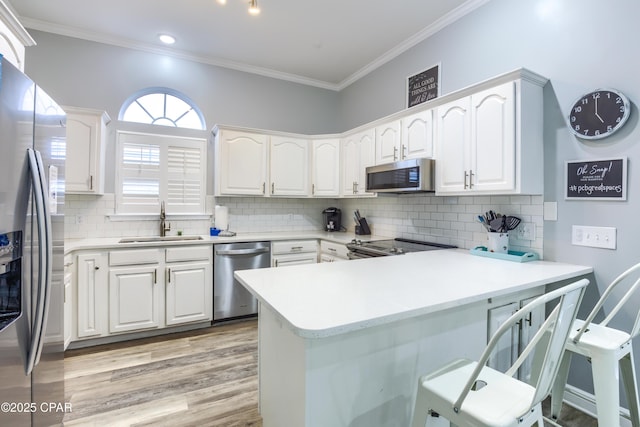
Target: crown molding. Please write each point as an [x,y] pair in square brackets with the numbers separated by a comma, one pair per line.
[427,32]
[422,35]
[8,17]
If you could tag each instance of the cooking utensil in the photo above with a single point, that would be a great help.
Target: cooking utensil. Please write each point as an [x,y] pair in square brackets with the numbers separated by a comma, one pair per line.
[483,221]
[504,223]
[512,222]
[499,224]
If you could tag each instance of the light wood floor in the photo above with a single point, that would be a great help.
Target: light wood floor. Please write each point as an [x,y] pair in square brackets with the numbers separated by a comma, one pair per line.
[206,377]
[201,378]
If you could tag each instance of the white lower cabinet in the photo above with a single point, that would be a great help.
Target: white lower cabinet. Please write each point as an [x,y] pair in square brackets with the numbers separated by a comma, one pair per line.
[125,291]
[91,284]
[332,252]
[514,342]
[135,300]
[294,252]
[189,285]
[68,299]
[135,297]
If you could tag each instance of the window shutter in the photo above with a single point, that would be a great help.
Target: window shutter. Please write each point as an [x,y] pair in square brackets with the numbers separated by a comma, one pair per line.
[155,168]
[185,172]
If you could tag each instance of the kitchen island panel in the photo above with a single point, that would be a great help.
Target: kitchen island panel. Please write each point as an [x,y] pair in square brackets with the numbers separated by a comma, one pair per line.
[364,377]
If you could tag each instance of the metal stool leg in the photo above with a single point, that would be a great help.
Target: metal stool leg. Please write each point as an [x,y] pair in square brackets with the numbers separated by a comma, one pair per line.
[604,366]
[628,372]
[557,392]
[420,411]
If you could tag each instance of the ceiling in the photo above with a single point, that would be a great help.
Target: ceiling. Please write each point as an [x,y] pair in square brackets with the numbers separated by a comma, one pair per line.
[326,43]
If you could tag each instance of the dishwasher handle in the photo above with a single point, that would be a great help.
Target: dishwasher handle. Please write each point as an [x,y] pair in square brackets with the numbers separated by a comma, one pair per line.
[242,251]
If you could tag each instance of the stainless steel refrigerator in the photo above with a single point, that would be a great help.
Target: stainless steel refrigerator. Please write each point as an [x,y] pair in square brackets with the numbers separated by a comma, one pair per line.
[32,154]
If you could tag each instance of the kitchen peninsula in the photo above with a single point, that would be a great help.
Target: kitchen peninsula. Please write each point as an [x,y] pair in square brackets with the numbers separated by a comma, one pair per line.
[342,344]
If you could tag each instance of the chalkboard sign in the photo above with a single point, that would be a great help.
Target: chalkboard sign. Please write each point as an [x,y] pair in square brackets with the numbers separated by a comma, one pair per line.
[604,179]
[424,86]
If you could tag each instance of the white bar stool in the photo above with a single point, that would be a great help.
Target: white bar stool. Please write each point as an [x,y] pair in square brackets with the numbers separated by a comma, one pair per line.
[471,394]
[611,354]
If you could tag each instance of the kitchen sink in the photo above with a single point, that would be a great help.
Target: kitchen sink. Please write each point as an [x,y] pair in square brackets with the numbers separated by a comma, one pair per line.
[158,239]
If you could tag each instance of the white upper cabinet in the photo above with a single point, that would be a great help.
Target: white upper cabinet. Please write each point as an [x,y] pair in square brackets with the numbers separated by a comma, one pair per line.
[490,141]
[241,163]
[358,152]
[289,166]
[325,168]
[485,138]
[417,135]
[476,136]
[388,142]
[494,139]
[454,140]
[13,38]
[408,138]
[86,143]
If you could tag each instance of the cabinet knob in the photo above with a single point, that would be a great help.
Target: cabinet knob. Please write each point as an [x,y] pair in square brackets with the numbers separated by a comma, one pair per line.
[96,268]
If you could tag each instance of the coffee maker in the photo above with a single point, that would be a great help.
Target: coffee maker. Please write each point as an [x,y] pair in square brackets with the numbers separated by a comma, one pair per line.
[332,217]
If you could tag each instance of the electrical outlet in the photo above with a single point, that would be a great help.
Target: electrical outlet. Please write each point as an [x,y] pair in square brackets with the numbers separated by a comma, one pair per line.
[595,237]
[79,219]
[526,231]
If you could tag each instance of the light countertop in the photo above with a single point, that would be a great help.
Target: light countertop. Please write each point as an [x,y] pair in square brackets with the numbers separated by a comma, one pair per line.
[112,242]
[321,300]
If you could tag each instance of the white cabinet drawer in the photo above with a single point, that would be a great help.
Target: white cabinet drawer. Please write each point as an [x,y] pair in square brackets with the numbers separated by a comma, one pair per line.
[332,248]
[287,260]
[189,253]
[294,246]
[136,256]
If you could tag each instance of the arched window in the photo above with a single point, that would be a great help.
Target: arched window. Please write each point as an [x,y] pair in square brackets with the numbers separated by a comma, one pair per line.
[154,167]
[164,107]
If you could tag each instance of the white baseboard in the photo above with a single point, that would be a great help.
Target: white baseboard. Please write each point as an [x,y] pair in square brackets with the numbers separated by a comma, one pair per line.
[586,402]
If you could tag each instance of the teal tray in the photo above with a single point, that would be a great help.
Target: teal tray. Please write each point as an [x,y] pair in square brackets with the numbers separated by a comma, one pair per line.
[514,256]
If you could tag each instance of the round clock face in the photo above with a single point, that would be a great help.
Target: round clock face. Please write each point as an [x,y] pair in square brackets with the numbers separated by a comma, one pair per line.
[599,114]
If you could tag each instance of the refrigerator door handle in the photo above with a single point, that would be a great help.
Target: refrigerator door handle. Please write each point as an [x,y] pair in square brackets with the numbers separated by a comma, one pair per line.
[43,221]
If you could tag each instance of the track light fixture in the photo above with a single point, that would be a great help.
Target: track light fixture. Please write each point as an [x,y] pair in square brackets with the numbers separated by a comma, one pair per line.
[254,9]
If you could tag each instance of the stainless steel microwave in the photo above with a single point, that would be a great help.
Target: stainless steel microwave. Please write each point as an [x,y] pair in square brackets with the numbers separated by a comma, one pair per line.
[406,176]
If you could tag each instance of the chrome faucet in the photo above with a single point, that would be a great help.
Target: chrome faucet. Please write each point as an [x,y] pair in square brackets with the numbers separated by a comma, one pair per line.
[164,227]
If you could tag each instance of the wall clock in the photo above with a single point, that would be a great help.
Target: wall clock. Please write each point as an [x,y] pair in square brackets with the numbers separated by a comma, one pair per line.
[599,114]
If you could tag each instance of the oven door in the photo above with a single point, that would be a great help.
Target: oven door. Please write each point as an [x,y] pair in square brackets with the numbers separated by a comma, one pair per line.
[361,255]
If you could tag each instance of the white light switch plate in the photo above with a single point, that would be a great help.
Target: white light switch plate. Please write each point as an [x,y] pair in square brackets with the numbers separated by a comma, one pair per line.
[595,237]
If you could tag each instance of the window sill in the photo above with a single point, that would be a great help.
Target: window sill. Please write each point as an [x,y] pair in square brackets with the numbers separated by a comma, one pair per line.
[156,217]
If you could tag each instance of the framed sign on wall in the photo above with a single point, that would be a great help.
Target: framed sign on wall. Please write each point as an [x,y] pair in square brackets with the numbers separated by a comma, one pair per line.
[604,179]
[424,86]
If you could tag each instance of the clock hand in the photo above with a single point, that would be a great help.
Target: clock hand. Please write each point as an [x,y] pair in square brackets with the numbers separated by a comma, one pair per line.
[598,115]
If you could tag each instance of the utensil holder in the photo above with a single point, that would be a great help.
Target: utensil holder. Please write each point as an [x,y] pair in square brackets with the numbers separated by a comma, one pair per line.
[498,242]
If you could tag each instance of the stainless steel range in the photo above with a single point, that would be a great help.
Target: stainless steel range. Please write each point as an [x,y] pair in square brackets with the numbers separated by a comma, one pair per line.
[369,249]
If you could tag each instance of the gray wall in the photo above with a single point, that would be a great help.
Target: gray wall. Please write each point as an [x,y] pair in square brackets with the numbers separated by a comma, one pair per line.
[94,75]
[579,45]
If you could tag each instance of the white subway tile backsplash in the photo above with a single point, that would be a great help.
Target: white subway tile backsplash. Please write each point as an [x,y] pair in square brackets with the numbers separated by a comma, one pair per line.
[450,220]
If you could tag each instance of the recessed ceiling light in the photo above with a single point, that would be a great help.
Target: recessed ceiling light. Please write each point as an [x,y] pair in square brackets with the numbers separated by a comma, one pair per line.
[167,39]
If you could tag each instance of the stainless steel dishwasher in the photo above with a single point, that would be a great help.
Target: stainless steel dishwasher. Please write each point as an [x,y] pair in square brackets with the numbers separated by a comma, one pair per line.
[230,299]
